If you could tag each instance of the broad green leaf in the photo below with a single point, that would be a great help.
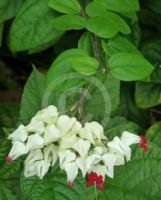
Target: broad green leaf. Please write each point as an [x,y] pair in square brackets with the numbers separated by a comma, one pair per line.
[54,187]
[128,107]
[9,9]
[129,66]
[68,22]
[155,6]
[95,8]
[107,25]
[9,113]
[62,81]
[3,3]
[85,43]
[1,33]
[147,94]
[32,27]
[119,44]
[123,6]
[156,75]
[85,65]
[65,6]
[102,98]
[61,66]
[154,133]
[7,170]
[32,96]
[6,193]
[151,50]
[117,124]
[139,179]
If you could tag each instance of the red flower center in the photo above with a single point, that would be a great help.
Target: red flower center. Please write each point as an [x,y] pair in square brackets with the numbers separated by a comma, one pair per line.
[143,143]
[70,185]
[8,159]
[93,178]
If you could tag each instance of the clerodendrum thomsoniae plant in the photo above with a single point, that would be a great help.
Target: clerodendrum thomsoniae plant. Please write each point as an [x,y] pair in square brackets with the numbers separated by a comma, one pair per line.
[87,137]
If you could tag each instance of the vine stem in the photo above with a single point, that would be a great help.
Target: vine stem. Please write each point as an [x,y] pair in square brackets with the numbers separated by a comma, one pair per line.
[95,189]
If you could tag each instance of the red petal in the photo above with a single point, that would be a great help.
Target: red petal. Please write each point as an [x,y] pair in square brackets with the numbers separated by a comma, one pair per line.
[100,187]
[70,185]
[8,159]
[99,180]
[89,183]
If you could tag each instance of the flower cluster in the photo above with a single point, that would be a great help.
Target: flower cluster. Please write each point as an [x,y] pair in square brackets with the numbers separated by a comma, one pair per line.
[50,137]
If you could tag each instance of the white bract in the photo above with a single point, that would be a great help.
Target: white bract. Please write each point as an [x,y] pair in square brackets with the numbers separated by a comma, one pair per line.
[18,149]
[50,137]
[20,134]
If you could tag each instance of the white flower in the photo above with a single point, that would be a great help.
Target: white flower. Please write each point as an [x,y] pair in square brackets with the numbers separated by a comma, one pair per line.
[30,170]
[93,132]
[51,154]
[18,149]
[66,157]
[100,150]
[35,126]
[42,168]
[82,147]
[82,165]
[86,163]
[34,155]
[34,141]
[38,168]
[117,146]
[19,134]
[65,124]
[68,141]
[48,115]
[71,171]
[109,160]
[129,138]
[51,134]
[76,127]
[93,160]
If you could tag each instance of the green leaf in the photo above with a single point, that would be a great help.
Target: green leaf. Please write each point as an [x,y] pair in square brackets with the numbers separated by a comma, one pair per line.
[9,113]
[95,8]
[65,6]
[156,75]
[128,107]
[85,65]
[32,27]
[147,94]
[119,44]
[1,33]
[3,3]
[61,66]
[32,96]
[54,186]
[85,43]
[68,22]
[155,6]
[102,99]
[139,179]
[123,5]
[9,9]
[6,193]
[129,66]
[118,124]
[107,25]
[151,50]
[7,170]
[62,81]
[154,132]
